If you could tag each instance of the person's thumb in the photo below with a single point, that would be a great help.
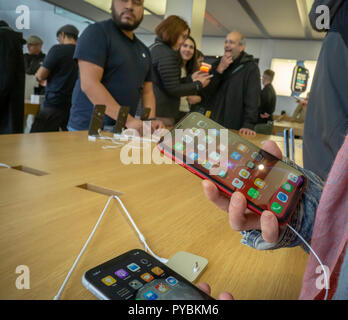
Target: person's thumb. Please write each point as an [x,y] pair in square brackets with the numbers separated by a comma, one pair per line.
[269,227]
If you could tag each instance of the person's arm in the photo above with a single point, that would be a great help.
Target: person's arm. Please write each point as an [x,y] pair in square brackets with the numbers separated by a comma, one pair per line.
[148,98]
[91,76]
[42,74]
[296,113]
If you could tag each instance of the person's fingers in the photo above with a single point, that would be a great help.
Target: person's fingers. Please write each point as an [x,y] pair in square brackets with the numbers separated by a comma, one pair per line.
[204,287]
[240,219]
[213,194]
[269,227]
[272,148]
[225,296]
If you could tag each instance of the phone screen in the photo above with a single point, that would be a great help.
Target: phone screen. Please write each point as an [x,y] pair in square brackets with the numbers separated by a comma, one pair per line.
[234,163]
[136,275]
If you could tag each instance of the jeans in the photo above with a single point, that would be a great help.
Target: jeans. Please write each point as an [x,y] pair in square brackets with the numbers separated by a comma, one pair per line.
[302,220]
[71,129]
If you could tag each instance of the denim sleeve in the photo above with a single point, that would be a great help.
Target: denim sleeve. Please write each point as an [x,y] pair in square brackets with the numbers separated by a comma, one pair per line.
[302,220]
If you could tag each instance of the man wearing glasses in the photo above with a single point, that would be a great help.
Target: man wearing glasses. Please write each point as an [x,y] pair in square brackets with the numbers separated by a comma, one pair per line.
[234,92]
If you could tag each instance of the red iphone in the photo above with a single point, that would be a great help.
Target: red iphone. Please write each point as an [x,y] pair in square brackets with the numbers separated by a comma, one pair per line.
[213,152]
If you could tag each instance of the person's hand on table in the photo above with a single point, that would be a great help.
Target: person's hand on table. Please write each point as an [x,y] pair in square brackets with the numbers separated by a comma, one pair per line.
[241,218]
[247,132]
[156,125]
[135,124]
[206,288]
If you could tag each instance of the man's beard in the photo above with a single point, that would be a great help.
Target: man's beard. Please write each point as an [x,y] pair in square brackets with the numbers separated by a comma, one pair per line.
[122,25]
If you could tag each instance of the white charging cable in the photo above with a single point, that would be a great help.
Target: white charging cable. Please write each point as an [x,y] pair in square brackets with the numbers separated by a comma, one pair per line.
[82,251]
[125,136]
[5,165]
[142,238]
[318,259]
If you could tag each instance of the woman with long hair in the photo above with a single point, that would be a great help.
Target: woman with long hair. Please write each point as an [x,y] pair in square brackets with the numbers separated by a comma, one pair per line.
[189,65]
[169,86]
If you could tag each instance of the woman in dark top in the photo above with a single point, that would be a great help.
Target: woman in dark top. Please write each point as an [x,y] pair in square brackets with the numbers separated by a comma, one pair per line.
[168,84]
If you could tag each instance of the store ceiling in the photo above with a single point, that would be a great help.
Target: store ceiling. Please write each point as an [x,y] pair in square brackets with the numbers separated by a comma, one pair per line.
[266,19]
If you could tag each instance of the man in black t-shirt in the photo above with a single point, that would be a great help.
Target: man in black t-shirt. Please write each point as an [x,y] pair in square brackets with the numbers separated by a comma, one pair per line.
[268,98]
[115,69]
[59,73]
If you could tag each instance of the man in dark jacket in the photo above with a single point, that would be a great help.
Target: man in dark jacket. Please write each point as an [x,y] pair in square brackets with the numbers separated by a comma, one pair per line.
[12,79]
[268,98]
[268,104]
[236,99]
[34,58]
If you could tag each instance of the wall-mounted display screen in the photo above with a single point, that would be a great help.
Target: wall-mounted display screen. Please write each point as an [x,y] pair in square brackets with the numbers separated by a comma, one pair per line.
[300,79]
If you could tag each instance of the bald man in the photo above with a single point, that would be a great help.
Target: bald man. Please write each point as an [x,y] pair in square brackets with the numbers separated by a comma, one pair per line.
[234,94]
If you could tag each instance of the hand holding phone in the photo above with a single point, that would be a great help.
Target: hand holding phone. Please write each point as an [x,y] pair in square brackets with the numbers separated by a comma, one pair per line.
[232,163]
[240,217]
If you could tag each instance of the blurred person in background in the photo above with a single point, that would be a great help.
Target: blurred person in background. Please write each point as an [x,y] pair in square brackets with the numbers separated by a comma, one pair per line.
[12,80]
[235,90]
[34,58]
[33,61]
[58,73]
[325,129]
[268,104]
[189,66]
[299,114]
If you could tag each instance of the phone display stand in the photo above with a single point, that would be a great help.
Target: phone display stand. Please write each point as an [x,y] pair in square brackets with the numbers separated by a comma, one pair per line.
[92,138]
[187,265]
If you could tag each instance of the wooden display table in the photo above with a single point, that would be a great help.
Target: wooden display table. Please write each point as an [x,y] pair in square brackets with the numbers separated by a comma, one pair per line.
[47,214]
[279,126]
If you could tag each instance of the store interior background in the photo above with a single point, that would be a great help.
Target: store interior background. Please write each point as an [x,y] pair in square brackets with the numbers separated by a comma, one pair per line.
[273,29]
